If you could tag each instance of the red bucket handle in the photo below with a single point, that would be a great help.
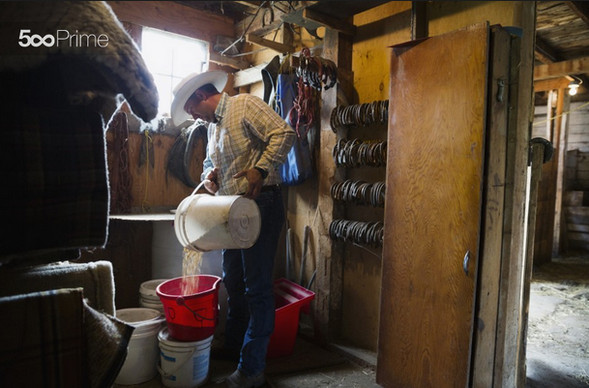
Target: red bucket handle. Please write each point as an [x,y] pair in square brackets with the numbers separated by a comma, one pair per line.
[181,302]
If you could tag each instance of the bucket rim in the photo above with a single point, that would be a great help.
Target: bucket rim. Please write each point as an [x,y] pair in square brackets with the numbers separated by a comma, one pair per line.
[155,315]
[148,287]
[213,288]
[166,339]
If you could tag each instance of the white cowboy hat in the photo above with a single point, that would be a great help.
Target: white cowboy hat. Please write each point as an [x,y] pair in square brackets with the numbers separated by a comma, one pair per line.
[189,85]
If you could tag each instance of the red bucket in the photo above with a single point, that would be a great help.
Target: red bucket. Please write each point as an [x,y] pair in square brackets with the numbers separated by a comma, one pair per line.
[191,317]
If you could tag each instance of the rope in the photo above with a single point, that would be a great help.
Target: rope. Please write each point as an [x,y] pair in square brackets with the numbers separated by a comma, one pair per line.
[560,115]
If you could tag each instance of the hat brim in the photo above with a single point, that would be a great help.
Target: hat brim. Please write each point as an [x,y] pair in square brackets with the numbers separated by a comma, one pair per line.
[189,85]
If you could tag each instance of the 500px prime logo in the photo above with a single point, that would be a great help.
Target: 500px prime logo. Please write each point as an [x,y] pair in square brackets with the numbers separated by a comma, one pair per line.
[61,38]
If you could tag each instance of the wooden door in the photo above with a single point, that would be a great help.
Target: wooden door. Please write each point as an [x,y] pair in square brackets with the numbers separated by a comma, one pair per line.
[433,209]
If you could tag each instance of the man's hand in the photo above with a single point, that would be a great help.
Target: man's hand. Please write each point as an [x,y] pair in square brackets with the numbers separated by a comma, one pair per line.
[211,181]
[255,180]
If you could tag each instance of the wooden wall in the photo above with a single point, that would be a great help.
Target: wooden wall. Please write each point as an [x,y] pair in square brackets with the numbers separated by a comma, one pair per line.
[575,224]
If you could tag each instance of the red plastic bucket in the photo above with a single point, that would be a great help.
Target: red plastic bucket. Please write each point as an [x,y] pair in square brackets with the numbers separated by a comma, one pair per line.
[191,317]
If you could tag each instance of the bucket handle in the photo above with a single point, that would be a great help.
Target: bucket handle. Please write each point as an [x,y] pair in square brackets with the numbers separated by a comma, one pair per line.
[178,366]
[200,185]
[183,220]
[181,302]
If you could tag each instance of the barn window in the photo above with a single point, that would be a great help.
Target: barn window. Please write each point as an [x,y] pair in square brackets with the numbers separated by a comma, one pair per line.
[171,57]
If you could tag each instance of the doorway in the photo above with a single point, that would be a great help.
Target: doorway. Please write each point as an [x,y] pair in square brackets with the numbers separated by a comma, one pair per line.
[557,346]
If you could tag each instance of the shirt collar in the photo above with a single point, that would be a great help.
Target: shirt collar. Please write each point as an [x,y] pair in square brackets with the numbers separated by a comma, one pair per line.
[222,106]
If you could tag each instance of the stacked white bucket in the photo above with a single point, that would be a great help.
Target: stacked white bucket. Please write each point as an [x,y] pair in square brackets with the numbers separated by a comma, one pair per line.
[148,297]
[142,352]
[180,363]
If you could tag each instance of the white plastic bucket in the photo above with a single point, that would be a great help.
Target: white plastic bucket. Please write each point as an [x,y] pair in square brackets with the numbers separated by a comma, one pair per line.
[183,364]
[142,353]
[206,222]
[148,297]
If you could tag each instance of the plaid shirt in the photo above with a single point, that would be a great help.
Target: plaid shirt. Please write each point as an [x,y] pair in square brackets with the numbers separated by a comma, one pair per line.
[248,134]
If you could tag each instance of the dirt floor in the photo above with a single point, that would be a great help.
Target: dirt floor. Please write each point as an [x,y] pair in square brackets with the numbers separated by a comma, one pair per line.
[557,344]
[558,326]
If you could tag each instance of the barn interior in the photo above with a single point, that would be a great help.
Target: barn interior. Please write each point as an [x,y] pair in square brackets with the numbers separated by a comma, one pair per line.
[441,228]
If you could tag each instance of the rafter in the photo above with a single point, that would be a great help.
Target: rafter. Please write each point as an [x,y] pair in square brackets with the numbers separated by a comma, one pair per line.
[581,8]
[561,69]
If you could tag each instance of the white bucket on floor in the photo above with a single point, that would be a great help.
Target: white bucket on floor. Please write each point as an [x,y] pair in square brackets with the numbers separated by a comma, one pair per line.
[142,353]
[183,364]
[148,297]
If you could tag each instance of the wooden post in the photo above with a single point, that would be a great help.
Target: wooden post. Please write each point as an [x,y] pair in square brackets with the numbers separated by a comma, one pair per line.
[560,138]
[558,169]
[492,240]
[510,320]
[329,279]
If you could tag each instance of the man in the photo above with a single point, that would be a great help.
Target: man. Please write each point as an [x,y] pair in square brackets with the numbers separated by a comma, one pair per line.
[247,142]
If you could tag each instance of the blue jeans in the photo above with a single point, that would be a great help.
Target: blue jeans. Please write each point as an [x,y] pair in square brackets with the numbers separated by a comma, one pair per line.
[247,275]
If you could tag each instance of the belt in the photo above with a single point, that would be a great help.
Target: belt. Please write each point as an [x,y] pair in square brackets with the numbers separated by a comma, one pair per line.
[270,188]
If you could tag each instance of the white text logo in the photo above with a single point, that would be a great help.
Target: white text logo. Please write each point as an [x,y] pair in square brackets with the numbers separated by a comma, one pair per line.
[61,38]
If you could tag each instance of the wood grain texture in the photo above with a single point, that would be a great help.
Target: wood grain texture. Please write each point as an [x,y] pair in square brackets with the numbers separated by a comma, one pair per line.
[437,116]
[492,239]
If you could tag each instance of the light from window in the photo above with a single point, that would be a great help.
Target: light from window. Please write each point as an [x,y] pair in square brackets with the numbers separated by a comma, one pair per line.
[171,57]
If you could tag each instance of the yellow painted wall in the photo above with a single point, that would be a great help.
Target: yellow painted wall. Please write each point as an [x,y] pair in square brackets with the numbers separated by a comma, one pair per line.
[377,29]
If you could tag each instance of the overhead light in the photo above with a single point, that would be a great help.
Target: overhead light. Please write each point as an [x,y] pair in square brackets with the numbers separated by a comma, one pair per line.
[574,87]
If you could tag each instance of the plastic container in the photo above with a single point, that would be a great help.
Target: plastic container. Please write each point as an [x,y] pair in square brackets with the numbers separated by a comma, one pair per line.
[183,364]
[148,297]
[191,317]
[205,222]
[290,299]
[142,353]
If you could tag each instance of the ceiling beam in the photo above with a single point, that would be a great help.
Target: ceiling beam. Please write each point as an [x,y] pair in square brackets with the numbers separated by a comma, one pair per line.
[551,84]
[276,46]
[250,4]
[544,52]
[581,8]
[227,61]
[561,69]
[329,22]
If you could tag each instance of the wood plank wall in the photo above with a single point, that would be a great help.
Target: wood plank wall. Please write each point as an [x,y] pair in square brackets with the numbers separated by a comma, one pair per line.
[576,176]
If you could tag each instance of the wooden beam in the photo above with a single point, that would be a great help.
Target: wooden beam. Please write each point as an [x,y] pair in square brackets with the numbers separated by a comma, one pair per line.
[329,22]
[581,8]
[551,84]
[544,52]
[250,4]
[276,46]
[330,267]
[561,69]
[234,63]
[418,20]
[248,76]
[174,17]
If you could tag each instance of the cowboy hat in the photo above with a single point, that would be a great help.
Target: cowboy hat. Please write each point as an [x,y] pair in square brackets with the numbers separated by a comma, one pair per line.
[189,85]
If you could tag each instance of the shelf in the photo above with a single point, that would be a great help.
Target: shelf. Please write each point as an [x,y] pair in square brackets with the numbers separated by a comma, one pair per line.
[143,217]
